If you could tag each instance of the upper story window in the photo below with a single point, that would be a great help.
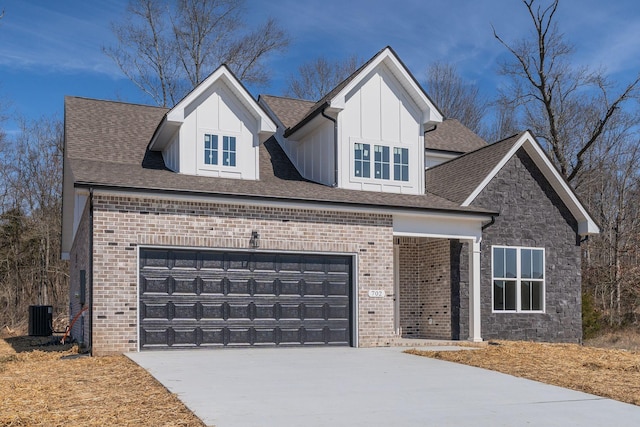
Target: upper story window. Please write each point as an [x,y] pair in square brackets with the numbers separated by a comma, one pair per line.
[228,150]
[210,149]
[518,279]
[362,156]
[381,162]
[401,164]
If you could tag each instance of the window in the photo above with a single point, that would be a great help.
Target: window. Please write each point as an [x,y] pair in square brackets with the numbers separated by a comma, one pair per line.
[518,279]
[362,157]
[381,162]
[401,164]
[210,149]
[228,150]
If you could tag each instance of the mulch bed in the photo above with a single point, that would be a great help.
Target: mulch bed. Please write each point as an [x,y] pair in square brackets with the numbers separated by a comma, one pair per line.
[56,386]
[604,372]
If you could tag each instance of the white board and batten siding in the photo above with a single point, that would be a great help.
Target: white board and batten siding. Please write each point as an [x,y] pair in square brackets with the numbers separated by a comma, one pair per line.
[378,112]
[216,111]
[312,151]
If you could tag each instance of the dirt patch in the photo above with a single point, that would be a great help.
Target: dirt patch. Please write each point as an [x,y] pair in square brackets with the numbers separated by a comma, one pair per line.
[59,388]
[604,372]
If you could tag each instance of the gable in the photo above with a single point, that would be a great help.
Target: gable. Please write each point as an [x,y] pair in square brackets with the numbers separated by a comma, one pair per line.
[214,131]
[475,170]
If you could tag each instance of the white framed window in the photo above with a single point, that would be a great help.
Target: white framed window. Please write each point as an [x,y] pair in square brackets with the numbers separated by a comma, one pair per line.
[219,150]
[400,164]
[381,162]
[518,279]
[210,149]
[362,160]
[228,150]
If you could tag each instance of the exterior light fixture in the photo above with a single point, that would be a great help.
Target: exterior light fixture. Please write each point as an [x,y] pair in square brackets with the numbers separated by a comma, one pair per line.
[254,241]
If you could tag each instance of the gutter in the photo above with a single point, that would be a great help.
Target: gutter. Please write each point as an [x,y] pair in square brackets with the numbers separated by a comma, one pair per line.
[275,199]
[307,119]
[335,146]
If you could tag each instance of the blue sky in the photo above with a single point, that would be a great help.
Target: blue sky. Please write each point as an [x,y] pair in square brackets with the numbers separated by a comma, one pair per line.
[49,49]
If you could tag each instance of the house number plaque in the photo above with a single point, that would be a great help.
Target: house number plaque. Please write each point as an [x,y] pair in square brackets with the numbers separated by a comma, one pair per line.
[377,293]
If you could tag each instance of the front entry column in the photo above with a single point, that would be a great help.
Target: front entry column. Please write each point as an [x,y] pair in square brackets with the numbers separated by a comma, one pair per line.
[474,291]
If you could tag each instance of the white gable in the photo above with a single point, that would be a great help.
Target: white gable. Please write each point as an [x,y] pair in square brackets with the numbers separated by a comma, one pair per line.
[215,131]
[380,115]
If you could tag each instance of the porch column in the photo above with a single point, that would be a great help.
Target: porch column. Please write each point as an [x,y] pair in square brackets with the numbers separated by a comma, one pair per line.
[474,291]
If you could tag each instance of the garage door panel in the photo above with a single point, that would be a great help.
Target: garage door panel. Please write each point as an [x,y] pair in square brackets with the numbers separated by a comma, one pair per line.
[186,311]
[186,286]
[196,298]
[155,284]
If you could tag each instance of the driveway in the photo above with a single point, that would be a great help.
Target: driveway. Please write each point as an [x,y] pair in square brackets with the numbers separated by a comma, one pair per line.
[365,387]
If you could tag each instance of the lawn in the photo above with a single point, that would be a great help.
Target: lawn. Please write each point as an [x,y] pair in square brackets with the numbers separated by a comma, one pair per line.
[58,387]
[605,372]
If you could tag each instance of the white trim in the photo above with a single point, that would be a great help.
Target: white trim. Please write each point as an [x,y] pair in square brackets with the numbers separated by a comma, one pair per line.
[306,205]
[586,225]
[176,116]
[427,108]
[353,286]
[518,279]
[396,287]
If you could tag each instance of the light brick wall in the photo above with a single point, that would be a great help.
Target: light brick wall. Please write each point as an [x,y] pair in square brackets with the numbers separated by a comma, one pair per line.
[122,223]
[425,288]
[79,260]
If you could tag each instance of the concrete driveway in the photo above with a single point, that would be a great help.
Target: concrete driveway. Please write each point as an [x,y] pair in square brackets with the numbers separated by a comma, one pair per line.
[365,387]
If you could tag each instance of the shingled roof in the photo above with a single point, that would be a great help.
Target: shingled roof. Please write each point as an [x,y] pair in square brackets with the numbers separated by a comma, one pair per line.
[451,135]
[288,110]
[458,178]
[106,146]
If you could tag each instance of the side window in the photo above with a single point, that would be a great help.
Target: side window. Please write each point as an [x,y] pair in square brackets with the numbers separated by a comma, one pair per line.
[362,160]
[401,164]
[381,162]
[210,149]
[518,279]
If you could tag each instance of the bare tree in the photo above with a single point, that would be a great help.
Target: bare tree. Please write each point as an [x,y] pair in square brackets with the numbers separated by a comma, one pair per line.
[569,108]
[455,97]
[319,76]
[168,48]
[31,271]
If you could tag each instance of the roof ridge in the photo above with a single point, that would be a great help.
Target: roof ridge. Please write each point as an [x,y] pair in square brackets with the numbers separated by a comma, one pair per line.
[286,97]
[115,101]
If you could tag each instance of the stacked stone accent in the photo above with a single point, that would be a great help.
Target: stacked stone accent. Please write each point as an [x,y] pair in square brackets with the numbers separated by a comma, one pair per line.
[532,215]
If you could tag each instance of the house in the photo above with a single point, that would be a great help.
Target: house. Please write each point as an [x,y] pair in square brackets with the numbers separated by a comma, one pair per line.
[363,219]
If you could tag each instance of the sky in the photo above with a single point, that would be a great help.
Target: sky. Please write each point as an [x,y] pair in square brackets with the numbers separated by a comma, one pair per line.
[53,48]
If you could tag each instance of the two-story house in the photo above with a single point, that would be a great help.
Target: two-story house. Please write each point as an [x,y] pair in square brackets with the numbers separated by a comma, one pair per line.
[362,219]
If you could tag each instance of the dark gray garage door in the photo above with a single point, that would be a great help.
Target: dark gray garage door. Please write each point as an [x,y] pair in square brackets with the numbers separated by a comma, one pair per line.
[192,298]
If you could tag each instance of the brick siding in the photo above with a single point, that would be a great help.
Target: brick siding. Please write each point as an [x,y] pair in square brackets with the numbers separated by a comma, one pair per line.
[122,223]
[424,288]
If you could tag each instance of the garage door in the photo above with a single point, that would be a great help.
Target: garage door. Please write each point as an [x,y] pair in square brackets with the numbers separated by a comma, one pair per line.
[194,298]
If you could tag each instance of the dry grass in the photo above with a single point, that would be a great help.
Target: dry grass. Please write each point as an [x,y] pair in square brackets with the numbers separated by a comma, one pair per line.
[628,339]
[41,388]
[604,372]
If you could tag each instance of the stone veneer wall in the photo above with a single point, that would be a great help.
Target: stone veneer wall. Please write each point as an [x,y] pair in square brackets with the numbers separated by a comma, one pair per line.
[79,260]
[122,223]
[424,288]
[531,214]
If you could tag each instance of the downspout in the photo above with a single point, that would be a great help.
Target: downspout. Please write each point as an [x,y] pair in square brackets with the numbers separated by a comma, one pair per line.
[335,146]
[91,270]
[490,223]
